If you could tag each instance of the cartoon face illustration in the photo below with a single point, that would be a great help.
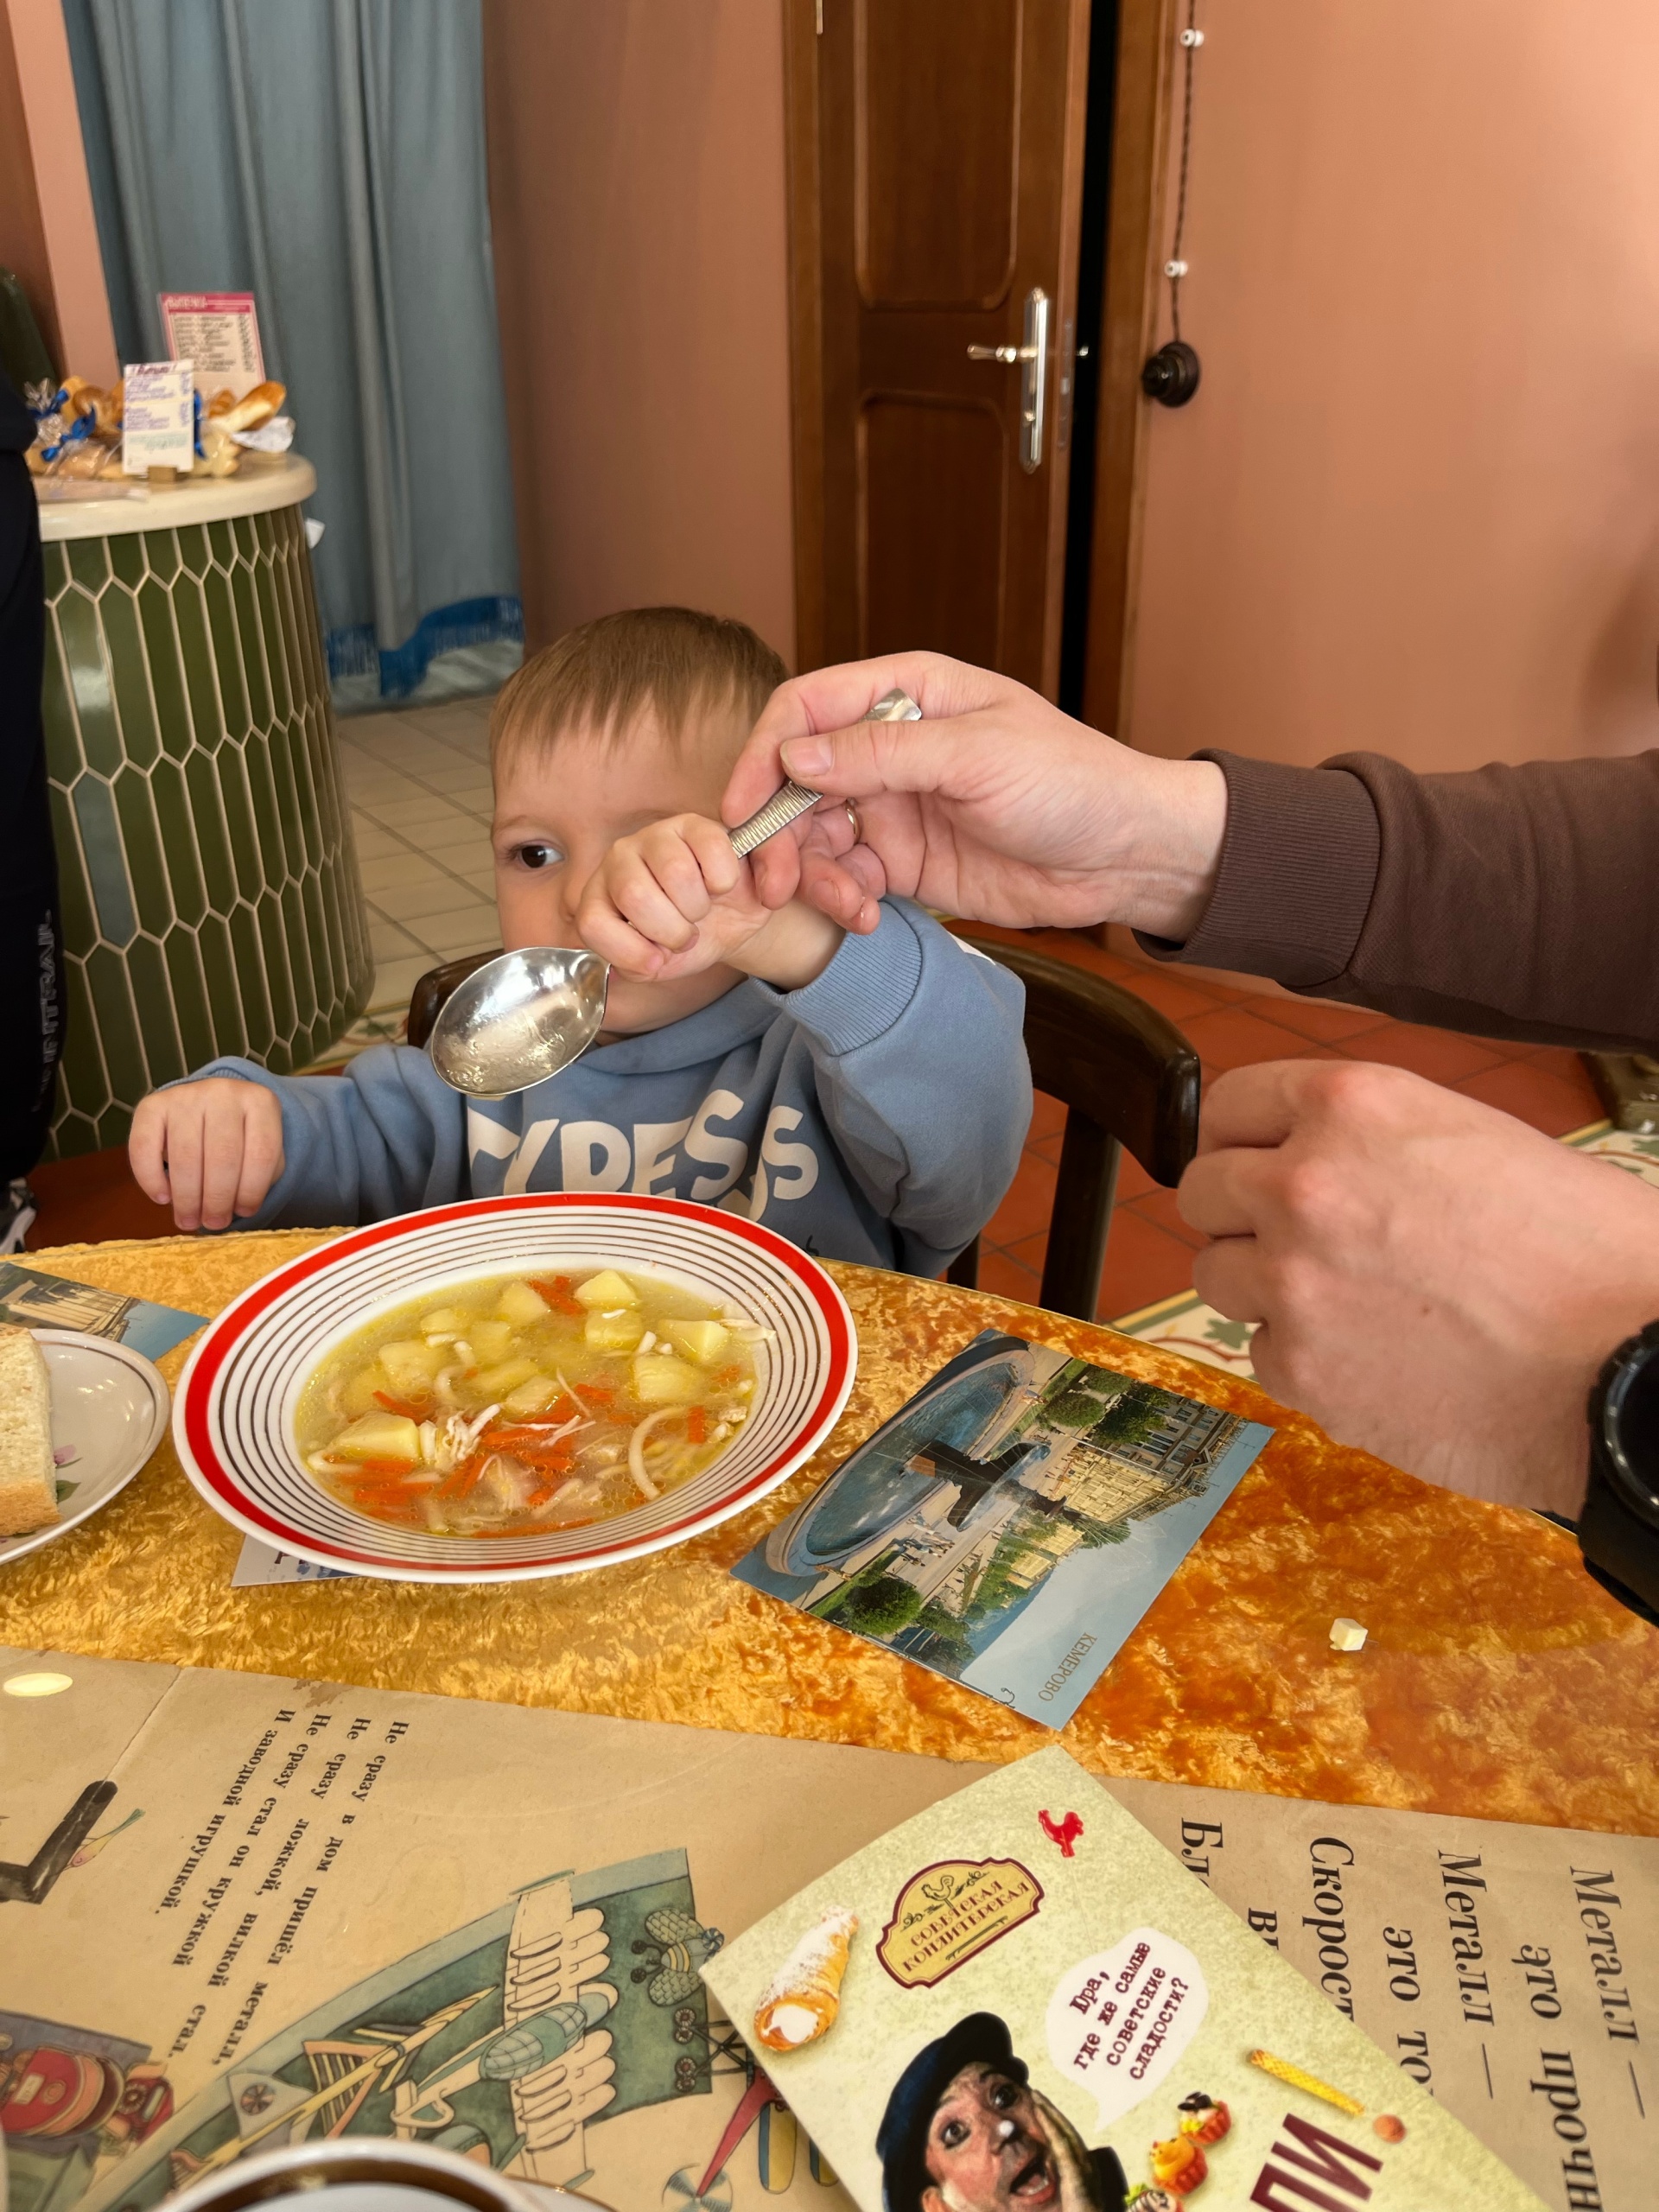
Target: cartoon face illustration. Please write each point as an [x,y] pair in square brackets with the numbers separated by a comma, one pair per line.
[965,2131]
[986,2144]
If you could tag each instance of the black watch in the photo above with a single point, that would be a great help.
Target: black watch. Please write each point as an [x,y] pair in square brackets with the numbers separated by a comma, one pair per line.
[1619,1528]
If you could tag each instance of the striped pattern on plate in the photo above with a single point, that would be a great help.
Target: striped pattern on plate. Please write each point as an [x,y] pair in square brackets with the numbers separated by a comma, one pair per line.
[233,1418]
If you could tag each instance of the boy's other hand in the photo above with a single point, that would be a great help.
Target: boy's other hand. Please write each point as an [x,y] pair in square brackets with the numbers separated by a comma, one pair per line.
[211,1149]
[674,899]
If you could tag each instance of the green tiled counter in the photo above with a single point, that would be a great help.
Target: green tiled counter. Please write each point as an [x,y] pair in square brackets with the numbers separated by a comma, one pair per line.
[211,900]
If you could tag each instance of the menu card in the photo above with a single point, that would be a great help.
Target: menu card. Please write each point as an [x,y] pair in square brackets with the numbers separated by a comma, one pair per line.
[1017,1997]
[218,334]
[158,422]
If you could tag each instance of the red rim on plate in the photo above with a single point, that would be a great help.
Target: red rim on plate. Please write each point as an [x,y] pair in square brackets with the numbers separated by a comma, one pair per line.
[233,1412]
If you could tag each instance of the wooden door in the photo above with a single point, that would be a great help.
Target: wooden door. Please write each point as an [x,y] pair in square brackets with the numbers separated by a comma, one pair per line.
[936,170]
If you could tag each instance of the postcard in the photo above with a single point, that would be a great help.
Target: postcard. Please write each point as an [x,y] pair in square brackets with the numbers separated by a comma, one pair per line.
[43,1301]
[258,1565]
[1018,1999]
[1010,1525]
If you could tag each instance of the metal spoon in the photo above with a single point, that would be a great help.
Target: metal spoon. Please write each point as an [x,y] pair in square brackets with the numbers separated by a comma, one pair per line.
[523,1016]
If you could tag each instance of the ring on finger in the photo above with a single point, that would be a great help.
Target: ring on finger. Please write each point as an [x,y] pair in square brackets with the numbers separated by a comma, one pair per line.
[856,826]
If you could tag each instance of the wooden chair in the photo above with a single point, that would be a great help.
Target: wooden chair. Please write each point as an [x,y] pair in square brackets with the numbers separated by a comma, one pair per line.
[434,987]
[1128,1078]
[1126,1074]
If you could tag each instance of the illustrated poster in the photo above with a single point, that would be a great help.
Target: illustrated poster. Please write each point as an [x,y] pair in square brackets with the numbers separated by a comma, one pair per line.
[236,1911]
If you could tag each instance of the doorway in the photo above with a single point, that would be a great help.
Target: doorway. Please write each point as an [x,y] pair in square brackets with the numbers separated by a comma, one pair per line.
[973,208]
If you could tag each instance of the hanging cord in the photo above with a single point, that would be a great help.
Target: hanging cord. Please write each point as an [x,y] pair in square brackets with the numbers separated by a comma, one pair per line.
[1175,267]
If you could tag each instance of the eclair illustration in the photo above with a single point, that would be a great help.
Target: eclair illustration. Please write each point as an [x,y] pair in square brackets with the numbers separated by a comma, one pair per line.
[800,2002]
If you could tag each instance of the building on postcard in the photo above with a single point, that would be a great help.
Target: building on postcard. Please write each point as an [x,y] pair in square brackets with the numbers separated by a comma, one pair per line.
[1041,1549]
[43,1301]
[1106,1483]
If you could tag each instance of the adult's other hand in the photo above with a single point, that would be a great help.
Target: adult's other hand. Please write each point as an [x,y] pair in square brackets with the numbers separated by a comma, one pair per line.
[1436,1282]
[994,805]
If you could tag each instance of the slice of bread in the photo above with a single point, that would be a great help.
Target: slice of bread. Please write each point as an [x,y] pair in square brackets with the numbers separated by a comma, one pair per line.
[29,1486]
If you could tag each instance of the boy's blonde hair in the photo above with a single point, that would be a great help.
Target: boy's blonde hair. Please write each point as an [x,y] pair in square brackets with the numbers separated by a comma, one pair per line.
[669,660]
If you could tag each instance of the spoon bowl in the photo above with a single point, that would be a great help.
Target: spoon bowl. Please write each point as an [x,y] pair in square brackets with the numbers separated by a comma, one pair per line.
[519,1019]
[523,1016]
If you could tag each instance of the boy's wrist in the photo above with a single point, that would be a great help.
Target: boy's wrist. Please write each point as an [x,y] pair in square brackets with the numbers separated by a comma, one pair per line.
[790,950]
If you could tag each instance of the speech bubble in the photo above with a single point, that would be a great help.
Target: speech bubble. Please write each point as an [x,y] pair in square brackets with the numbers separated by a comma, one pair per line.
[1117,2022]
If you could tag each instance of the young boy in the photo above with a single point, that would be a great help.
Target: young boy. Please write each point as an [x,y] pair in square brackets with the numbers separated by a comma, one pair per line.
[866,1096]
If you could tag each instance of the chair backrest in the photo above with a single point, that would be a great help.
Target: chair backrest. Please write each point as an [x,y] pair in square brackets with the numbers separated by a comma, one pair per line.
[1125,1074]
[434,987]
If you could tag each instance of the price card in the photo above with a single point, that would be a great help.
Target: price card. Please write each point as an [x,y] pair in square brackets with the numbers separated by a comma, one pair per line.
[219,333]
[158,424]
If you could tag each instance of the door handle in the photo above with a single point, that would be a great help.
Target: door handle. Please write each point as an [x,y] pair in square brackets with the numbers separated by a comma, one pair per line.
[1031,360]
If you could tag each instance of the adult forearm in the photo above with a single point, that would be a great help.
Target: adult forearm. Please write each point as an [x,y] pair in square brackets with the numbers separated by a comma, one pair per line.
[1511,901]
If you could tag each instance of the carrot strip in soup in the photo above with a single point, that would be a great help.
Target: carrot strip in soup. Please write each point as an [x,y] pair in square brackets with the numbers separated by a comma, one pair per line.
[405,1408]
[465,1475]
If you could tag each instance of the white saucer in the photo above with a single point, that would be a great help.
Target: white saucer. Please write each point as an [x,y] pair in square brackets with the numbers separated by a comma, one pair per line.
[109,1408]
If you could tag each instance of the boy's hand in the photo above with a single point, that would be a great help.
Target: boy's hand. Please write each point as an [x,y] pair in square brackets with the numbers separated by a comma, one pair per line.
[674,899]
[212,1149]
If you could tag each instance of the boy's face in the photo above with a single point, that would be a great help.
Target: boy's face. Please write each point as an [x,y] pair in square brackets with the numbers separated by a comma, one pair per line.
[559,811]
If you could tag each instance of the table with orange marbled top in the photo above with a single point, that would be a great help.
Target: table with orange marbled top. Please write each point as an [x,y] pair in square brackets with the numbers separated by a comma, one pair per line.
[1498,1680]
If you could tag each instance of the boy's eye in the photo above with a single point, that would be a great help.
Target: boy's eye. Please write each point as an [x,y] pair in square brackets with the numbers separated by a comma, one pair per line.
[538,855]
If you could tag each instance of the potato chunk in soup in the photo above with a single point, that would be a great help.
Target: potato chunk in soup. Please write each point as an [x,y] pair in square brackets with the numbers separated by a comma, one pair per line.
[520,1403]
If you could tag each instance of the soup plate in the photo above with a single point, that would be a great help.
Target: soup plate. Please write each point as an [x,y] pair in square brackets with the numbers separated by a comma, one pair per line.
[235,1409]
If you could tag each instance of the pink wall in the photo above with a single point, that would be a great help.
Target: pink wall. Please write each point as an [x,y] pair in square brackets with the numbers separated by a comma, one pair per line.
[1414,507]
[79,304]
[636,194]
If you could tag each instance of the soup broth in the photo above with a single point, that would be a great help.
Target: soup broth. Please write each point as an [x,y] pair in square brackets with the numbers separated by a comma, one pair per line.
[519,1403]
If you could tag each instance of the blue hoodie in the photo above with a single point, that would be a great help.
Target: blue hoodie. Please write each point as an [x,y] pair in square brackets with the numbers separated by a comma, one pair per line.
[876,1115]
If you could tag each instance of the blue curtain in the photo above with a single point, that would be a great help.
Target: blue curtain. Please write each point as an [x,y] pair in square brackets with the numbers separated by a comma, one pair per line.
[328,156]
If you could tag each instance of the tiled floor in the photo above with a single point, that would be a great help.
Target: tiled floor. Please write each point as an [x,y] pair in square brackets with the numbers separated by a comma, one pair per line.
[1235,1022]
[418,781]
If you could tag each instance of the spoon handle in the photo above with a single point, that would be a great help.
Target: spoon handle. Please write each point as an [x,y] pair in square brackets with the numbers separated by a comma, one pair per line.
[786,805]
[779,810]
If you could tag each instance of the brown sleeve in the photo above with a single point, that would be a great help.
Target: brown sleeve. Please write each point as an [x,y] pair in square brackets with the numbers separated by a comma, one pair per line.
[1514,902]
